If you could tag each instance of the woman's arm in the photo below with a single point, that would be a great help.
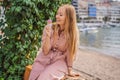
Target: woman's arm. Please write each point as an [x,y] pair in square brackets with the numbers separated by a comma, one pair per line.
[46,45]
[69,62]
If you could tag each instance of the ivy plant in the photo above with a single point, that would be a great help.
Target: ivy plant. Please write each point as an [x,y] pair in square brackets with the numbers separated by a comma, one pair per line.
[25,20]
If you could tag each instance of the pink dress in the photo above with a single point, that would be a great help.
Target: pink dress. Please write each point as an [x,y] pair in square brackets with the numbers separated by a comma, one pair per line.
[54,65]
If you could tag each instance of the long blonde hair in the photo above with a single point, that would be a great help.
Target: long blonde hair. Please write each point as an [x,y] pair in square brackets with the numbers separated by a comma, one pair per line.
[71,30]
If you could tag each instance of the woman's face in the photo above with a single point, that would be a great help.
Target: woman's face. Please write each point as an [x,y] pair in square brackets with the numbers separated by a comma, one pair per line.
[60,16]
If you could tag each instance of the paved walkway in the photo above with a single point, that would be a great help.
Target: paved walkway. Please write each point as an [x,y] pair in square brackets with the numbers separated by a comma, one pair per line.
[96,66]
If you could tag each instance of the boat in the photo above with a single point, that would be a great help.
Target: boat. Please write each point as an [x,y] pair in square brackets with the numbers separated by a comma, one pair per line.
[114,23]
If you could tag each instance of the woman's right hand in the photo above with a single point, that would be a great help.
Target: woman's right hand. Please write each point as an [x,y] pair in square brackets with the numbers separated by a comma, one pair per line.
[48,31]
[48,28]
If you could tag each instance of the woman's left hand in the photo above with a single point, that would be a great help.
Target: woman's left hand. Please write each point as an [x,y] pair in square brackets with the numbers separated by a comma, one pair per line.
[74,75]
[71,74]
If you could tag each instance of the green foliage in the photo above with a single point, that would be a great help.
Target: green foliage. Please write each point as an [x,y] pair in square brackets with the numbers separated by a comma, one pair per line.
[25,20]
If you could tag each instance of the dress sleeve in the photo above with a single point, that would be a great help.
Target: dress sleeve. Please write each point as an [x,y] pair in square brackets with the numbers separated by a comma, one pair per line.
[46,43]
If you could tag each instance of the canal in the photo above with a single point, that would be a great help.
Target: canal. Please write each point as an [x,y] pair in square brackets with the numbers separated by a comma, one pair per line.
[103,39]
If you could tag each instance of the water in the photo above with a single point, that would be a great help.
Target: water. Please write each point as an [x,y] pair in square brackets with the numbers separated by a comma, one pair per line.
[104,39]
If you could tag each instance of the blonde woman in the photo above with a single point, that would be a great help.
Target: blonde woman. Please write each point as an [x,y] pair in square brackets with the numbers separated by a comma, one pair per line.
[59,46]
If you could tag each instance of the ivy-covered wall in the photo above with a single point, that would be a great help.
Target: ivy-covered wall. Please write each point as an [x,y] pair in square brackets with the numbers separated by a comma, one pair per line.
[25,20]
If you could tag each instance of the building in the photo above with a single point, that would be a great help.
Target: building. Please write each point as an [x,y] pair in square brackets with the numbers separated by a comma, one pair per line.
[98,9]
[75,4]
[82,9]
[91,10]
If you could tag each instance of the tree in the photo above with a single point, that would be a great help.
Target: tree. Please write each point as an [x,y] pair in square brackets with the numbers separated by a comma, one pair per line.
[118,19]
[25,20]
[106,18]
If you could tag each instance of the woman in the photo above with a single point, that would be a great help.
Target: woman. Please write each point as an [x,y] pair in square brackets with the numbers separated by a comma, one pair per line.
[59,46]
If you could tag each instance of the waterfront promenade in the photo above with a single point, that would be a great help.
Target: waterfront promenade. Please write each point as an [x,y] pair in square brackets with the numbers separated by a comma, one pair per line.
[96,66]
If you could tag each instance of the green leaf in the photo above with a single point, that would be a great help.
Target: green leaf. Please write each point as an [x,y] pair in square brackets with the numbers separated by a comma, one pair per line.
[31,27]
[18,9]
[19,29]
